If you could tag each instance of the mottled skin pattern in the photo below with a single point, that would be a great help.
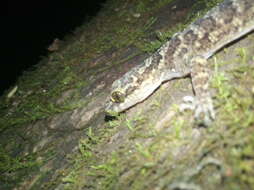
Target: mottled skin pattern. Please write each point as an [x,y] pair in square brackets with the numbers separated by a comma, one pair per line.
[186,54]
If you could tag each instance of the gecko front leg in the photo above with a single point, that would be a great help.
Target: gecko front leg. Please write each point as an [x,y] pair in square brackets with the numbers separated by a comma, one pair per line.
[202,102]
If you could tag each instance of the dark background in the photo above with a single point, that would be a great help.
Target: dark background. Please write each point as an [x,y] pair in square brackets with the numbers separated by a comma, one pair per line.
[32,26]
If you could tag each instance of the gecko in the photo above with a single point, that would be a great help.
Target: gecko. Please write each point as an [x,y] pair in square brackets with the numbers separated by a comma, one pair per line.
[185,55]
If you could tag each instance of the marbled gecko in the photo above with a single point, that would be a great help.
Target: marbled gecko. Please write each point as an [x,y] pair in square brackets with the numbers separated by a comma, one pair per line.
[186,54]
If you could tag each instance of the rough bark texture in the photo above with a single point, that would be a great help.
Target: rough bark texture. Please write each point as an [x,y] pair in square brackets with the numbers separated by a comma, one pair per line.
[54,133]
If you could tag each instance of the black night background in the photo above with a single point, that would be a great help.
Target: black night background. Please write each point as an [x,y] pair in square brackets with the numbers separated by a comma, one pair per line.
[31,28]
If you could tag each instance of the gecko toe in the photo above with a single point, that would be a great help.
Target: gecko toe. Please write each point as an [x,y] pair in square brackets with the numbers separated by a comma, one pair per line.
[203,109]
[204,112]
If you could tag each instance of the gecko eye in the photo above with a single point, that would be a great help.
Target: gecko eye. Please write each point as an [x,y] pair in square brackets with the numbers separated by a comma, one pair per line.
[117,97]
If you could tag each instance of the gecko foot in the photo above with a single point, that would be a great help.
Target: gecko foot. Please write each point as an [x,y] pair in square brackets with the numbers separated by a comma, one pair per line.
[203,109]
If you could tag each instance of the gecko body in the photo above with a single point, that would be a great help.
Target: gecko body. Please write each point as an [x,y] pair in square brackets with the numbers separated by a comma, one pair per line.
[185,54]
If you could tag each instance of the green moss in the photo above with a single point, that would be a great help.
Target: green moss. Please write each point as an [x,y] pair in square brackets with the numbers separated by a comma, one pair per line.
[236,111]
[13,169]
[198,9]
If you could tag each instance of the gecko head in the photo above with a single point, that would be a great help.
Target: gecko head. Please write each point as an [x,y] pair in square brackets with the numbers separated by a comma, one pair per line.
[134,86]
[127,92]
